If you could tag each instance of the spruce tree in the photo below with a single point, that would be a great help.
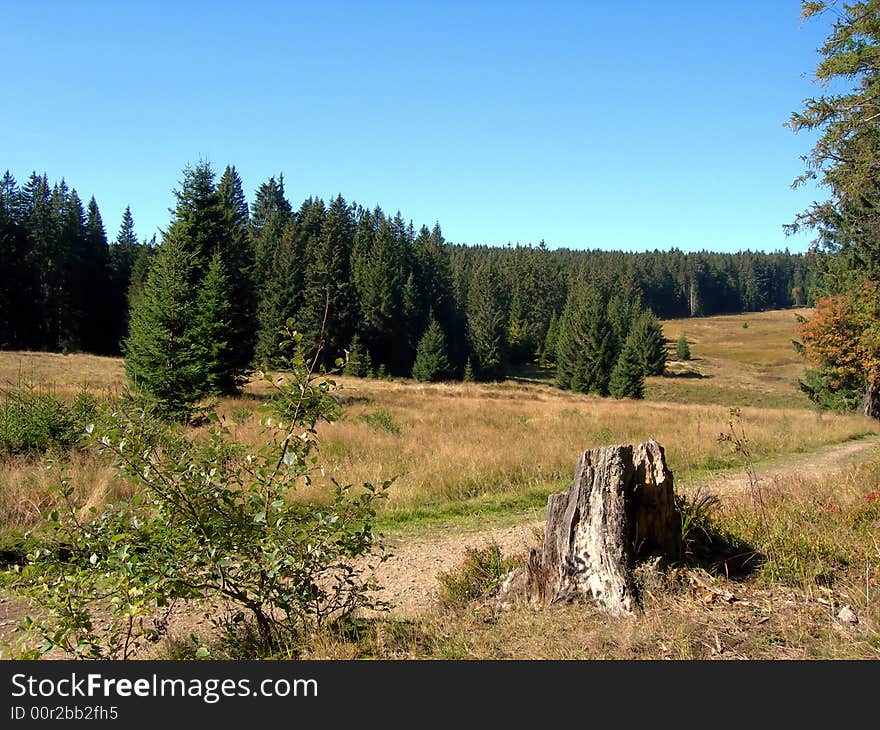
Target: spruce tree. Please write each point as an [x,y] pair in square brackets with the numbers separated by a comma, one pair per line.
[468,375]
[270,215]
[198,220]
[548,353]
[123,253]
[162,352]
[627,377]
[585,347]
[328,237]
[70,318]
[487,322]
[357,364]
[650,343]
[436,288]
[98,332]
[236,250]
[682,349]
[432,362]
[222,371]
[380,272]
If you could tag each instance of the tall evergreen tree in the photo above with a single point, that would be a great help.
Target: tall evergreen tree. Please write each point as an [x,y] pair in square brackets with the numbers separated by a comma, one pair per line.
[270,215]
[42,231]
[585,346]
[548,352]
[487,320]
[69,320]
[845,160]
[328,238]
[281,295]
[162,352]
[17,283]
[436,287]
[647,338]
[379,274]
[237,254]
[212,326]
[627,376]
[432,363]
[122,255]
[98,330]
[198,220]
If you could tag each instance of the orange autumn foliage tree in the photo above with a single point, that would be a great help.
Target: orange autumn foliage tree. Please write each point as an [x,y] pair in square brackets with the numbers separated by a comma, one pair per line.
[843,340]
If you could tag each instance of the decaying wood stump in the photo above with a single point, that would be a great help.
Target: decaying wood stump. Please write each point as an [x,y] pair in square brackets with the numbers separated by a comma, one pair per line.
[619,508]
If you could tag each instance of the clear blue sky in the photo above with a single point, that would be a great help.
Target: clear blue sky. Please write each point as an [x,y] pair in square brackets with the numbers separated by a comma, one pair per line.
[635,125]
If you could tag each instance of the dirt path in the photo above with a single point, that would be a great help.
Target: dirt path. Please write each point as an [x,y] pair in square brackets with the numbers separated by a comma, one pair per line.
[409,577]
[812,465]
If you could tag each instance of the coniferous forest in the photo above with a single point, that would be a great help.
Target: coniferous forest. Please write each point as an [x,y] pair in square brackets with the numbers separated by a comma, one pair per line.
[212,295]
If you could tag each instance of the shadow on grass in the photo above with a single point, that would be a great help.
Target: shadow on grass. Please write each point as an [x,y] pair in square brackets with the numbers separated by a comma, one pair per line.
[685,374]
[706,545]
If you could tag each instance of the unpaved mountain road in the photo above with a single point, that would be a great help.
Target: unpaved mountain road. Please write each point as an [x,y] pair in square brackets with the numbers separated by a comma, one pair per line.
[409,576]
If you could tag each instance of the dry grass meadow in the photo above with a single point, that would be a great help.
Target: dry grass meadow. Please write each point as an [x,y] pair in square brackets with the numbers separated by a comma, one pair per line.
[467,454]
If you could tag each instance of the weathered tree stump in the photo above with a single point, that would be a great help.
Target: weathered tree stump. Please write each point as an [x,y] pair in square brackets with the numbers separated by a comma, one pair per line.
[619,508]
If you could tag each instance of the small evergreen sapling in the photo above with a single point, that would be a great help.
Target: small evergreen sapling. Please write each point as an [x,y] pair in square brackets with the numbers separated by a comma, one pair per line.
[432,363]
[682,349]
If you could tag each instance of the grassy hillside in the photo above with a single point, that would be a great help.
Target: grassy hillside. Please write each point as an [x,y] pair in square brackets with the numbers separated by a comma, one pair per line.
[456,448]
[474,462]
[741,359]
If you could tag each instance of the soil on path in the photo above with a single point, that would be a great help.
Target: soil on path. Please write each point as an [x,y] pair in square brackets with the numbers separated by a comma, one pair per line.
[409,576]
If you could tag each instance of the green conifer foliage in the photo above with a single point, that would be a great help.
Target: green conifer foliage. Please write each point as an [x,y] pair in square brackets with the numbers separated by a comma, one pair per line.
[650,343]
[432,362]
[237,254]
[357,364]
[548,353]
[627,377]
[682,349]
[585,347]
[468,376]
[163,357]
[487,322]
[212,329]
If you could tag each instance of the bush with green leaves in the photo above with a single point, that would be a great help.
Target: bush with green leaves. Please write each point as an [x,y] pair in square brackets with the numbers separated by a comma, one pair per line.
[682,349]
[213,522]
[33,421]
[479,576]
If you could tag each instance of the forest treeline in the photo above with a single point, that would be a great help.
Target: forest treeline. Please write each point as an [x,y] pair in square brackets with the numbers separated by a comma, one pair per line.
[244,268]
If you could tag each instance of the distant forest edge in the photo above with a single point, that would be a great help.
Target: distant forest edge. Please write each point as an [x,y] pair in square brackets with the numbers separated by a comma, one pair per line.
[64,287]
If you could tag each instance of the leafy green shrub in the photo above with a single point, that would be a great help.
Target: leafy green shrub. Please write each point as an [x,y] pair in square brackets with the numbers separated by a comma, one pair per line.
[240,415]
[382,419]
[682,349]
[209,522]
[479,576]
[33,422]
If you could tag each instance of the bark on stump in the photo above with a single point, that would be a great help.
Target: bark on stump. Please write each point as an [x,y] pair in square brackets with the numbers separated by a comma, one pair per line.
[619,508]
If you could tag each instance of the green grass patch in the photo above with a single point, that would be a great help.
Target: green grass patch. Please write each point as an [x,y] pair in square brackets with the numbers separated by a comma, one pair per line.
[477,511]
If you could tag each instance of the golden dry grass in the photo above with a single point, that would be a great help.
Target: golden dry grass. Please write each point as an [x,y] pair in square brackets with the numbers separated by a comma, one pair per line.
[730,364]
[458,441]
[826,556]
[64,375]
[451,442]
